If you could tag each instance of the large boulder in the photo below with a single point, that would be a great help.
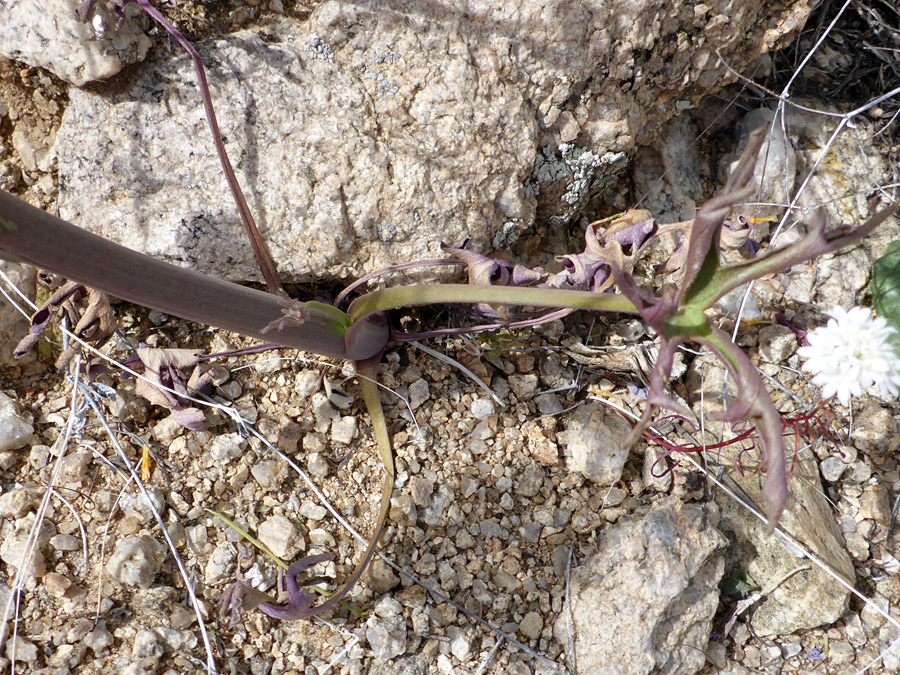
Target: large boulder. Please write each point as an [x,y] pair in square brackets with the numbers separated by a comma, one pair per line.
[373,132]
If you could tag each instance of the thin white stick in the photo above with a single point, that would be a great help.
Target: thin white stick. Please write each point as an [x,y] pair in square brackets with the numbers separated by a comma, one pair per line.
[456,364]
[340,655]
[487,659]
[201,624]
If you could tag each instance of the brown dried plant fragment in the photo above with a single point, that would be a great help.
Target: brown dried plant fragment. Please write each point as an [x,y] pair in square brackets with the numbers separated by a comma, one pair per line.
[85,308]
[165,367]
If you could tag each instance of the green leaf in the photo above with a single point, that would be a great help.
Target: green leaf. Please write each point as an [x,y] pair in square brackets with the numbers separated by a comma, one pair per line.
[886,290]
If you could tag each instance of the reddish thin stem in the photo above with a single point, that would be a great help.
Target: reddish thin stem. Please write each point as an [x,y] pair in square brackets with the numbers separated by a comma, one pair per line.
[266,264]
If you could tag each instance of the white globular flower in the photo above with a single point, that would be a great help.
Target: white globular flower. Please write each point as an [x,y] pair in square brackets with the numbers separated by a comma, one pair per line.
[851,354]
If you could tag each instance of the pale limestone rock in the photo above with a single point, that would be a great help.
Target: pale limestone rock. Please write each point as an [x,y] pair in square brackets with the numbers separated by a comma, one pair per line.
[596,443]
[14,545]
[50,35]
[281,536]
[15,430]
[807,599]
[363,140]
[136,561]
[645,601]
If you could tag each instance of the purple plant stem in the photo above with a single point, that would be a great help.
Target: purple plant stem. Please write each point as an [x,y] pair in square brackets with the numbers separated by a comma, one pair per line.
[266,264]
[801,334]
[43,240]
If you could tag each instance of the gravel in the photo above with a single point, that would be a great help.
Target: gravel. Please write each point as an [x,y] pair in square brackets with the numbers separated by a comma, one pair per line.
[491,503]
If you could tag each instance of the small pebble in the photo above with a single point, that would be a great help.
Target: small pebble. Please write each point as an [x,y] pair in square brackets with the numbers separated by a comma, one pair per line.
[281,536]
[98,639]
[65,542]
[21,649]
[15,544]
[312,511]
[403,510]
[386,636]
[167,430]
[776,343]
[322,538]
[157,318]
[874,504]
[530,481]
[832,468]
[418,393]
[531,625]
[716,654]
[136,504]
[270,473]
[548,404]
[231,390]
[840,653]
[15,431]
[218,374]
[219,566]
[343,430]
[175,640]
[197,537]
[267,364]
[56,584]
[523,386]
[227,446]
[388,606]
[380,577]
[73,468]
[305,382]
[136,561]
[595,438]
[860,472]
[421,489]
[655,470]
[16,503]
[460,643]
[147,644]
[482,408]
[790,649]
[316,464]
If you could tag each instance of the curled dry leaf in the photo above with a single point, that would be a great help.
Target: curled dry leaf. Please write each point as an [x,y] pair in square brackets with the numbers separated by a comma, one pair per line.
[165,367]
[240,597]
[85,308]
[619,240]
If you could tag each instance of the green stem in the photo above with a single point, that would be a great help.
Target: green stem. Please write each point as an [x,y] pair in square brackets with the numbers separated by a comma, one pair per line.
[372,398]
[409,296]
[726,350]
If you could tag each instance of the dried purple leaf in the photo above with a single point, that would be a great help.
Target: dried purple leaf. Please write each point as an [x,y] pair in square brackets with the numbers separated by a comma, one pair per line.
[240,597]
[704,235]
[84,308]
[163,367]
[622,240]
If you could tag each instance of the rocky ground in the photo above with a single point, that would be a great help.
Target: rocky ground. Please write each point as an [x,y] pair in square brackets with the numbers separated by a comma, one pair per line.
[511,499]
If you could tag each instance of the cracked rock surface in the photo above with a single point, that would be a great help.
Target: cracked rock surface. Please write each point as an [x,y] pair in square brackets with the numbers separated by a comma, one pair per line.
[371,133]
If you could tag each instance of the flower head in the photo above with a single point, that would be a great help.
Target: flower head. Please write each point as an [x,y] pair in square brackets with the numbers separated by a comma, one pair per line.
[852,354]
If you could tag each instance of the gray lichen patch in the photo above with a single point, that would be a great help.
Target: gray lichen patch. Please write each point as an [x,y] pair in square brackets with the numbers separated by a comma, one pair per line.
[573,173]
